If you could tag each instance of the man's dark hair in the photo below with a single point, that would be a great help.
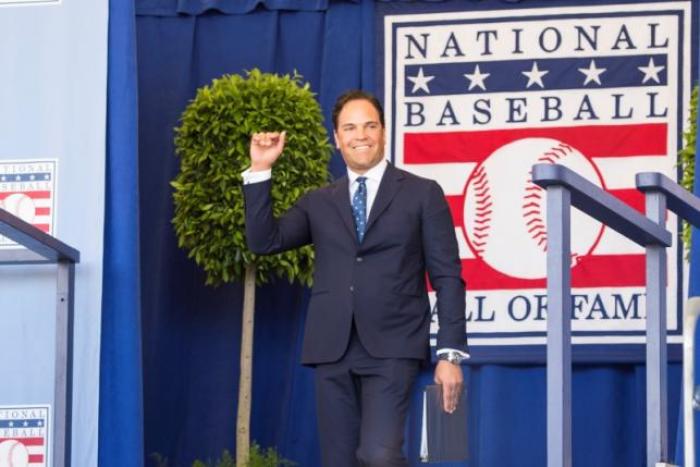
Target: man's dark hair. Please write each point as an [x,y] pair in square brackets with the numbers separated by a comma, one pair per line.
[356,95]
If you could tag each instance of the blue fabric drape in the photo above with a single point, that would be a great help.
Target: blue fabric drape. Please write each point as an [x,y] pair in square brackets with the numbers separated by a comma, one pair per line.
[121,403]
[197,7]
[694,284]
[693,291]
[191,333]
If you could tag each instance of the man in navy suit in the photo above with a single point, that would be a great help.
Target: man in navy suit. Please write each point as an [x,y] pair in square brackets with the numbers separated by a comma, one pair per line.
[376,232]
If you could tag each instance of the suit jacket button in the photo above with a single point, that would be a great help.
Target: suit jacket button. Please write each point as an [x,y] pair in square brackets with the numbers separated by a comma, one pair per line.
[359,259]
[352,288]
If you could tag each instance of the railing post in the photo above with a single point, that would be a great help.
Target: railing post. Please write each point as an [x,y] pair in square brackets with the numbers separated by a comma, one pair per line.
[663,193]
[566,188]
[63,380]
[558,327]
[41,248]
[657,418]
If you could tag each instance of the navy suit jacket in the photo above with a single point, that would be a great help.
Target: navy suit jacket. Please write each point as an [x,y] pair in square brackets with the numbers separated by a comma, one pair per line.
[380,282]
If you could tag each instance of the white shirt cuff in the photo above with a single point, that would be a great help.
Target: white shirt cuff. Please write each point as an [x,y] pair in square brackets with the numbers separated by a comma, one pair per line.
[256,177]
[447,349]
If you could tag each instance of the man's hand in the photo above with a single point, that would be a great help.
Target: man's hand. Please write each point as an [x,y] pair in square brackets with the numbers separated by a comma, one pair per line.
[449,376]
[265,149]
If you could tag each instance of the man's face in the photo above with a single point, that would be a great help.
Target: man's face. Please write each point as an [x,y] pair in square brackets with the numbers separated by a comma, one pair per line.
[360,135]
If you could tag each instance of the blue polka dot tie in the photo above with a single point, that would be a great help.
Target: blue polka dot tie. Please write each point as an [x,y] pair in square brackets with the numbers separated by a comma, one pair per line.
[359,208]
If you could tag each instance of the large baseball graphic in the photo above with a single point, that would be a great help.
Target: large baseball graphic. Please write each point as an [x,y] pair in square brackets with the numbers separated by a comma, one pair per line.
[13,454]
[20,205]
[505,212]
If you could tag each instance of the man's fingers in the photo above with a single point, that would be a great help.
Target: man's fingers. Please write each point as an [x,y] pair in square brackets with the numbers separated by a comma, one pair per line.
[449,404]
[450,396]
[267,139]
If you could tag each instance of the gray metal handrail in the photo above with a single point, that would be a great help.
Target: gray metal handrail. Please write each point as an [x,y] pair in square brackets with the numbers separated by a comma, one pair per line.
[42,248]
[566,188]
[679,200]
[686,206]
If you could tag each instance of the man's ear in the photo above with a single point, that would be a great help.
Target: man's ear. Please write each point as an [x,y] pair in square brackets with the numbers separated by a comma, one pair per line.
[335,138]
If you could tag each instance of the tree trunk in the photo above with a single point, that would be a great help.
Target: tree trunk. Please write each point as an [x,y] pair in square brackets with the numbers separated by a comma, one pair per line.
[245,381]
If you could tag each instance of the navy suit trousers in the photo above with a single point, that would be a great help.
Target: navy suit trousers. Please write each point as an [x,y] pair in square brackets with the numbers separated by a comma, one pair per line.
[362,402]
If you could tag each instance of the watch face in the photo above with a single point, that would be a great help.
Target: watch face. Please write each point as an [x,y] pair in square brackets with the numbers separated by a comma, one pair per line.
[454,358]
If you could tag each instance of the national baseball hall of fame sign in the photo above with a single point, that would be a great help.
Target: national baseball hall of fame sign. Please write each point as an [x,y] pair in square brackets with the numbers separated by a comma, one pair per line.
[474,99]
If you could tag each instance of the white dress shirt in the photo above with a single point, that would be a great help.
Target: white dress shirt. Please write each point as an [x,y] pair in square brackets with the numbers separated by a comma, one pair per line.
[374,177]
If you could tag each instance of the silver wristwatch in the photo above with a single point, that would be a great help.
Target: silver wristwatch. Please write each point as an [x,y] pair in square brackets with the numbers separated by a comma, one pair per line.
[452,357]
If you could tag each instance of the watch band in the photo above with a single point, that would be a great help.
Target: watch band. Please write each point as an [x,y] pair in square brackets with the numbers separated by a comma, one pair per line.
[452,357]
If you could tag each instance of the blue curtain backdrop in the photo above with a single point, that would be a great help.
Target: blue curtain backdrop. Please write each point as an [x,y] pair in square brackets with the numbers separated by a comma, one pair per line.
[121,393]
[191,333]
[693,291]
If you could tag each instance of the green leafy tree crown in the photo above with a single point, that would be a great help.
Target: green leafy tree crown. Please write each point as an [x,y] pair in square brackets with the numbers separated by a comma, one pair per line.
[686,160]
[213,143]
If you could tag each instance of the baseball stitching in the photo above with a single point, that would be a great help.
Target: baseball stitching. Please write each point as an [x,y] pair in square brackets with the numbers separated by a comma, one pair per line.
[532,202]
[10,462]
[482,218]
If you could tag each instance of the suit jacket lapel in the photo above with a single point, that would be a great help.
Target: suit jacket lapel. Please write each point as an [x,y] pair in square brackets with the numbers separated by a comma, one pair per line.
[388,188]
[341,199]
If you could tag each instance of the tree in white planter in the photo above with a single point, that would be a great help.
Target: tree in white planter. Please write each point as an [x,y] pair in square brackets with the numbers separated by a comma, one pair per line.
[213,143]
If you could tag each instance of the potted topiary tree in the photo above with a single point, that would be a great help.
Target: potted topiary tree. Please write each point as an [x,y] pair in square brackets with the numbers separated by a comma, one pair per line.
[213,143]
